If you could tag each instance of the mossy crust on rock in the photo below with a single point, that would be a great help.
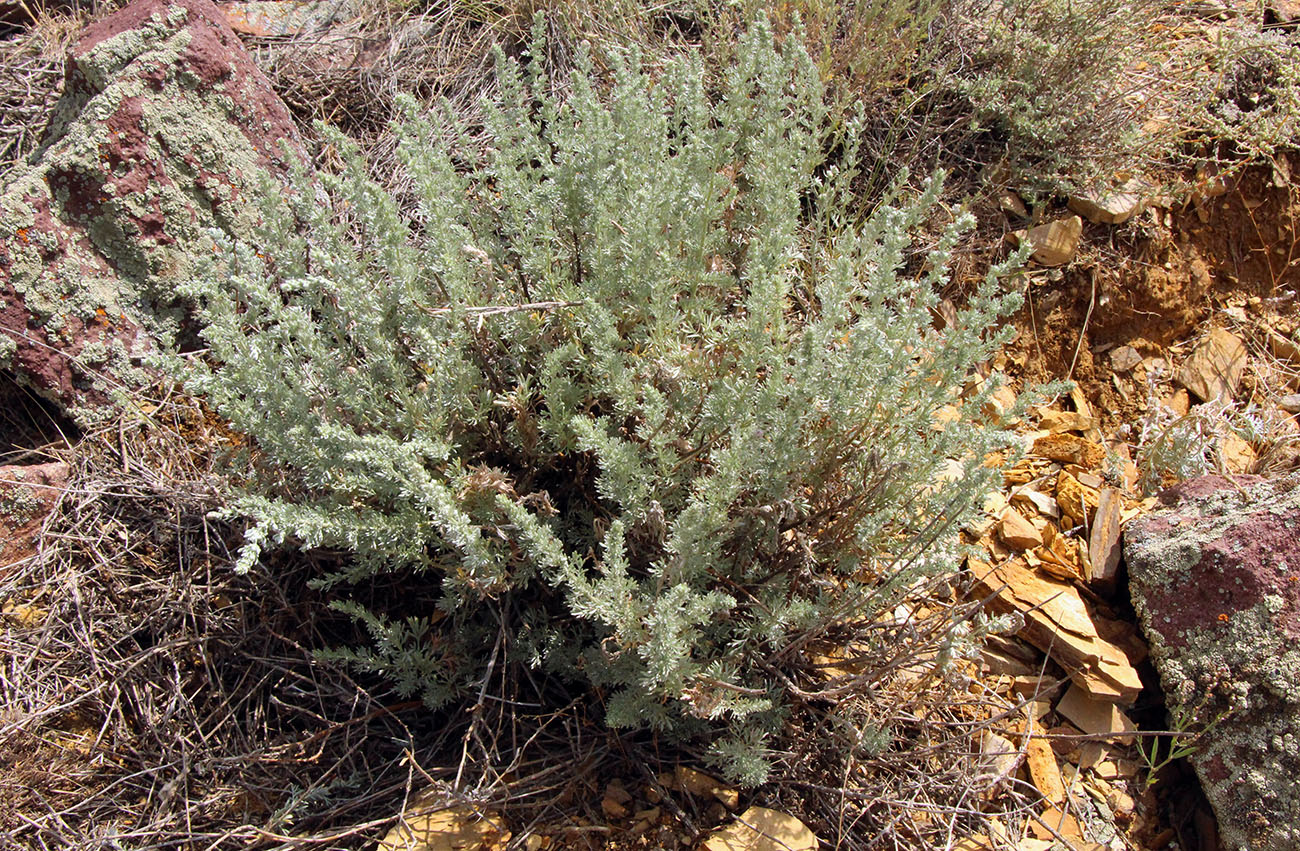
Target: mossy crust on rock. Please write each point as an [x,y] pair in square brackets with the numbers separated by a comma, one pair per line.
[165,129]
[1215,578]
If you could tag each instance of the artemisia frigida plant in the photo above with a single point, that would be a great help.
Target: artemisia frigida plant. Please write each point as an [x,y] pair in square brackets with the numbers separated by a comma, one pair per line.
[633,377]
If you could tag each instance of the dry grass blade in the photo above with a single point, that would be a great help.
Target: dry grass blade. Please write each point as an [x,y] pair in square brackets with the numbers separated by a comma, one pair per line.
[154,703]
[156,700]
[31,80]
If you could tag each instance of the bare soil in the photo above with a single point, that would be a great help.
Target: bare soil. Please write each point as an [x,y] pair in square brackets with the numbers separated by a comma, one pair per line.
[1155,284]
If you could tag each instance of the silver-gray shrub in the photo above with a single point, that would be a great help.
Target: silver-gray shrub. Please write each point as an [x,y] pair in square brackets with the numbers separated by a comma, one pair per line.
[633,364]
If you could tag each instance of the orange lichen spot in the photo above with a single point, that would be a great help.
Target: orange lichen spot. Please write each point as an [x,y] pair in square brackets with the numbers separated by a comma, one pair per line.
[101,313]
[22,236]
[1223,617]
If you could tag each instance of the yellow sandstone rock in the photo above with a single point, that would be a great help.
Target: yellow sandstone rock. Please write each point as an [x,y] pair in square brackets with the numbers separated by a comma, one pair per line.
[429,826]
[761,829]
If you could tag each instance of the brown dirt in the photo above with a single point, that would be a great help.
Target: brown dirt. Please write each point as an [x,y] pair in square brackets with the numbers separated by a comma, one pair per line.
[1155,284]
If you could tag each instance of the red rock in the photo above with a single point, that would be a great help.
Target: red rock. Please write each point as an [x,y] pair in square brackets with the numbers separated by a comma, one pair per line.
[164,130]
[1215,578]
[27,496]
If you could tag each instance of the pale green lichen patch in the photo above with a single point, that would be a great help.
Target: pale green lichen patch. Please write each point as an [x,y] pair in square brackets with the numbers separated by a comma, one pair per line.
[1213,580]
[19,504]
[143,159]
[157,39]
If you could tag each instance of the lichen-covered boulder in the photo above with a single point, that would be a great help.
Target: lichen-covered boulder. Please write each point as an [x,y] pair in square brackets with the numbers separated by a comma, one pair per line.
[1215,577]
[165,130]
[27,496]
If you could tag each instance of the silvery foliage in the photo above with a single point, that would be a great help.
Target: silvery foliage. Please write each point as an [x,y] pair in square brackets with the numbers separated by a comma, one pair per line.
[641,384]
[1173,448]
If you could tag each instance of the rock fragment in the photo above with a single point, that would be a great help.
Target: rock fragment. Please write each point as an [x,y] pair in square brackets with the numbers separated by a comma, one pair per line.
[998,760]
[1044,770]
[1058,421]
[1178,402]
[1058,622]
[1284,347]
[1104,542]
[1010,203]
[1214,368]
[429,826]
[27,496]
[1237,455]
[1056,822]
[1054,243]
[1215,577]
[1032,498]
[268,18]
[1095,717]
[1077,500]
[1124,359]
[1070,449]
[1112,206]
[165,131]
[1017,532]
[701,785]
[761,829]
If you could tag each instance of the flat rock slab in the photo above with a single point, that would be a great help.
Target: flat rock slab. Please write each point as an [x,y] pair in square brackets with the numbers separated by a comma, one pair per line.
[1053,243]
[1111,206]
[1214,368]
[761,829]
[166,130]
[1059,622]
[1215,578]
